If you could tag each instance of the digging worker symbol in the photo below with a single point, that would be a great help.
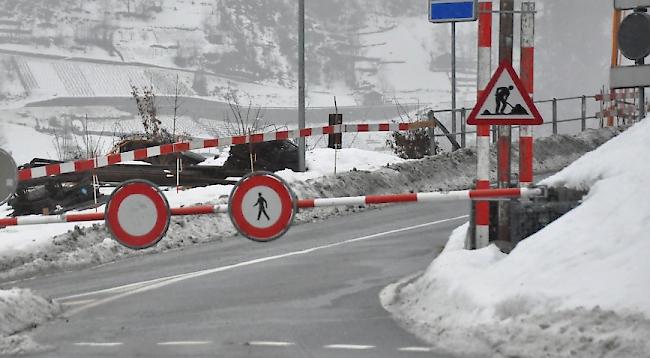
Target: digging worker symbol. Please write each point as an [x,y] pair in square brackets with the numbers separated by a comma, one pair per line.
[502,95]
[262,205]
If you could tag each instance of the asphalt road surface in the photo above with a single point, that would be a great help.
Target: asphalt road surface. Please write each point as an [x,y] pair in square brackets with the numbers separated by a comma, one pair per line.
[312,293]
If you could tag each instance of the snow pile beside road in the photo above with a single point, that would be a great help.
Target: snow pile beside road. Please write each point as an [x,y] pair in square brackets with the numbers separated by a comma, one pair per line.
[26,251]
[322,161]
[577,288]
[21,310]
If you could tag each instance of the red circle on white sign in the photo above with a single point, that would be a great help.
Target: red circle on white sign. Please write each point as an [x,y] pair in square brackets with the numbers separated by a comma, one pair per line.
[137,214]
[262,207]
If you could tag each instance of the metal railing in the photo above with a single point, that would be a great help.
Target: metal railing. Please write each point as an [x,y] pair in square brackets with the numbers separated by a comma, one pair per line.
[548,107]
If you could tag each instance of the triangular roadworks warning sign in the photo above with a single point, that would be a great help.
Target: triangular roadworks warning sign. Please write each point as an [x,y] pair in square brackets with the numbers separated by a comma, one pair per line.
[505,101]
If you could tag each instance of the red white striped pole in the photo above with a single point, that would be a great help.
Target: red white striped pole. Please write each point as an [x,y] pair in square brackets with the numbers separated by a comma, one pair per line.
[140,154]
[70,218]
[430,197]
[482,211]
[527,69]
[424,197]
[50,219]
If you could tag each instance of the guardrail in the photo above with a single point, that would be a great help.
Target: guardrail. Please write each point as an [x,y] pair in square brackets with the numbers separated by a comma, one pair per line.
[610,106]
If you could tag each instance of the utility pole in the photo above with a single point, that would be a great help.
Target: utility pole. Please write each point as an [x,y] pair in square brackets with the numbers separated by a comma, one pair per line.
[453,80]
[504,143]
[301,84]
[639,62]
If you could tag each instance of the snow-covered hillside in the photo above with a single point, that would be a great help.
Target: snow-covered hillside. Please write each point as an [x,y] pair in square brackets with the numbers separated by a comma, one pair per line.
[577,288]
[362,51]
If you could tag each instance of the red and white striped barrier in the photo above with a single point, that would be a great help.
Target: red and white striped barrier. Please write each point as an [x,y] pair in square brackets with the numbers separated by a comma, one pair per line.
[527,69]
[462,195]
[50,219]
[482,212]
[615,96]
[71,218]
[140,154]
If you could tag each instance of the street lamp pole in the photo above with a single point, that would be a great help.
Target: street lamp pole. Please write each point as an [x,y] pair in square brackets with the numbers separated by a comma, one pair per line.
[301,83]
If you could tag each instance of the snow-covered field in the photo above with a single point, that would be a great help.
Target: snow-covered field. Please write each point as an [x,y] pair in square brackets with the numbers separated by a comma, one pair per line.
[578,288]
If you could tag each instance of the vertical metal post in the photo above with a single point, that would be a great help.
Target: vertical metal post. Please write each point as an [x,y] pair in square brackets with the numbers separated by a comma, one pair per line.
[463,128]
[602,107]
[554,116]
[480,231]
[583,113]
[301,84]
[453,80]
[504,143]
[527,71]
[642,112]
[432,132]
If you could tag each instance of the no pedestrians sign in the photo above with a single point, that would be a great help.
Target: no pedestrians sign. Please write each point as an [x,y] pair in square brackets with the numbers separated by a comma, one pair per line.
[262,207]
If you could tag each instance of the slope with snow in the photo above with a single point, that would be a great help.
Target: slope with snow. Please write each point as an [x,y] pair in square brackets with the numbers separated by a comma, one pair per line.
[579,287]
[21,310]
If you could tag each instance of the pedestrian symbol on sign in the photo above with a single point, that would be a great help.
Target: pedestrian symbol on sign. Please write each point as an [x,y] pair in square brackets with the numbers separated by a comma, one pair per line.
[262,205]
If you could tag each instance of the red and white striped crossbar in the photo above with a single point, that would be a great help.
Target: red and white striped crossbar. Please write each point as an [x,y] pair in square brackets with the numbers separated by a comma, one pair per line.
[144,153]
[484,194]
[479,194]
[71,218]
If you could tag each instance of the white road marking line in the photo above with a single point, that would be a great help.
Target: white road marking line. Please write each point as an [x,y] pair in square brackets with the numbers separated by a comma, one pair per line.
[116,289]
[348,346]
[166,281]
[97,344]
[415,349]
[75,303]
[184,343]
[271,344]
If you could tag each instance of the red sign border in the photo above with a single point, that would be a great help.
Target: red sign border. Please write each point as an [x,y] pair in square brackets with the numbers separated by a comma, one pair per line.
[537,117]
[150,190]
[287,198]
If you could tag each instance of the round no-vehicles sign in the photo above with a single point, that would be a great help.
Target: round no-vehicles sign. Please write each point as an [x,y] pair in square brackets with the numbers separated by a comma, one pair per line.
[262,207]
[137,214]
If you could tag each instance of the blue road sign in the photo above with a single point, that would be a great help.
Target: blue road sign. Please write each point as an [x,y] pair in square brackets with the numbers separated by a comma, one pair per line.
[452,10]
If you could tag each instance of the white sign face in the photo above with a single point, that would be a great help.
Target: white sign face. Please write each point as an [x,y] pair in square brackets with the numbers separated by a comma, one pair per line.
[137,215]
[261,207]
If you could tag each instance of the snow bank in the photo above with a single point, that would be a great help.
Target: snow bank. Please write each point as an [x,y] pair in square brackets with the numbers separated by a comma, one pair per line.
[321,162]
[579,287]
[21,310]
[27,251]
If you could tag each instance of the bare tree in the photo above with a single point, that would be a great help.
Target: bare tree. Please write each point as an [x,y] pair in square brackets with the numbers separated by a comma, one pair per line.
[414,144]
[243,119]
[146,104]
[128,5]
[65,145]
[93,146]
